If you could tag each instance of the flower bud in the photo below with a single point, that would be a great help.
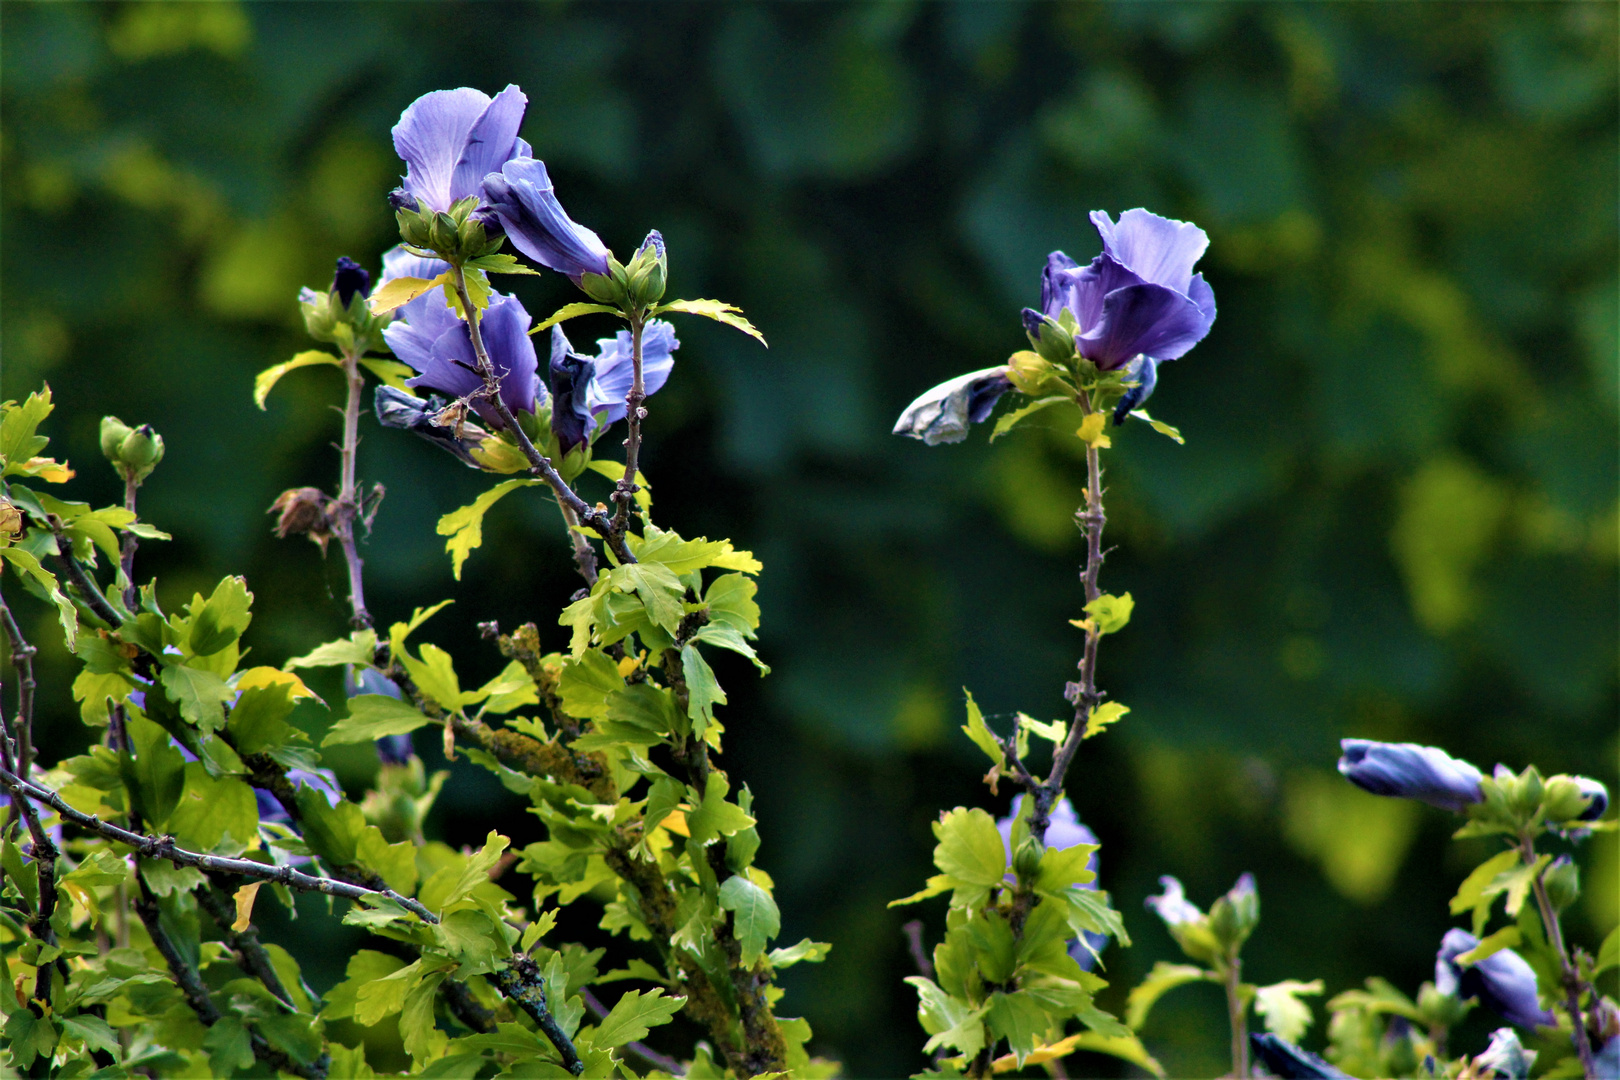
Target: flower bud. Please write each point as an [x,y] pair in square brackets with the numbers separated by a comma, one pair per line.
[445,232]
[603,289]
[1574,798]
[113,433]
[1523,791]
[1051,339]
[1027,860]
[648,270]
[319,318]
[414,227]
[1441,1009]
[1563,882]
[134,452]
[303,511]
[350,280]
[1233,917]
[11,518]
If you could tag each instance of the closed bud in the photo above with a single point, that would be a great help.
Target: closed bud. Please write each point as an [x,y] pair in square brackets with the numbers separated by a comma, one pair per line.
[140,452]
[320,318]
[1563,882]
[1574,798]
[648,270]
[445,232]
[1233,917]
[413,229]
[1524,793]
[1027,860]
[1051,339]
[471,238]
[113,433]
[603,289]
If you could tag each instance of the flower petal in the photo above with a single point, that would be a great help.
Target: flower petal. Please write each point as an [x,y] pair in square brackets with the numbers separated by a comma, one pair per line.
[570,373]
[1056,282]
[523,197]
[1090,288]
[1160,250]
[1410,771]
[491,142]
[615,369]
[430,137]
[942,415]
[1503,982]
[505,326]
[1146,319]
[417,326]
[398,263]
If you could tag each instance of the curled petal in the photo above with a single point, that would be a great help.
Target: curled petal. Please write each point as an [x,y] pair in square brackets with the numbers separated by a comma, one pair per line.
[1410,771]
[1142,319]
[491,142]
[397,409]
[1056,282]
[615,369]
[1159,250]
[942,414]
[1507,1058]
[570,374]
[452,365]
[522,195]
[1502,982]
[1092,286]
[1145,370]
[1598,794]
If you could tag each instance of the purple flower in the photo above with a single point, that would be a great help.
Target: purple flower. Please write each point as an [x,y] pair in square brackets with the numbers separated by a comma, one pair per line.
[1506,1057]
[451,366]
[418,324]
[590,392]
[1285,1060]
[1502,982]
[1064,830]
[942,415]
[522,196]
[1607,1060]
[351,278]
[1140,296]
[450,139]
[1410,771]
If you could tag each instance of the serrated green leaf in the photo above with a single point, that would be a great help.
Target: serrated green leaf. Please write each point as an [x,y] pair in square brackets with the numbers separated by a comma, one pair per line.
[1063,867]
[703,691]
[500,263]
[1017,416]
[1111,613]
[359,649]
[805,952]
[266,380]
[199,695]
[221,619]
[717,310]
[681,556]
[154,772]
[214,814]
[92,1030]
[981,735]
[730,599]
[970,848]
[375,716]
[24,564]
[633,1015]
[1089,910]
[473,873]
[1506,938]
[1161,980]
[658,588]
[728,637]
[19,424]
[571,311]
[1019,1019]
[465,527]
[1471,893]
[1284,1014]
[435,676]
[939,883]
[755,918]
[586,684]
[714,816]
[949,1021]
[1103,715]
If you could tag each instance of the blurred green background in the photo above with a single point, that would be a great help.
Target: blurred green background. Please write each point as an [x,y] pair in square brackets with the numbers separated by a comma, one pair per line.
[1395,515]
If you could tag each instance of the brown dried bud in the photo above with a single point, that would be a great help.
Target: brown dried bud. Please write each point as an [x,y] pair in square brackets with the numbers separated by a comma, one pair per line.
[304,511]
[11,519]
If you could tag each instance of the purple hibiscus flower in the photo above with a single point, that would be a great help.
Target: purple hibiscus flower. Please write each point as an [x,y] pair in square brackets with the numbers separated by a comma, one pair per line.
[450,366]
[590,392]
[1503,982]
[1289,1062]
[523,198]
[451,139]
[1063,831]
[1410,771]
[1139,298]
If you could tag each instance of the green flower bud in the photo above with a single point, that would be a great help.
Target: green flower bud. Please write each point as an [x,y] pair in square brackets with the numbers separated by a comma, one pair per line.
[603,289]
[320,316]
[463,209]
[1563,798]
[140,452]
[1441,1010]
[1563,882]
[1524,793]
[414,229]
[1233,917]
[1051,339]
[446,233]
[1027,859]
[113,433]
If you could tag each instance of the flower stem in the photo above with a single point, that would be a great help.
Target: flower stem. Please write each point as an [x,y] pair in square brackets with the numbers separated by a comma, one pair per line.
[539,464]
[1569,977]
[624,494]
[1237,1017]
[348,503]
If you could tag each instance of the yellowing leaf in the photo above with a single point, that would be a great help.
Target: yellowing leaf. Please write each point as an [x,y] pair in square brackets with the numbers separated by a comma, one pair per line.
[401,291]
[389,372]
[244,905]
[465,527]
[266,379]
[269,676]
[1158,425]
[718,310]
[48,469]
[1103,715]
[1091,431]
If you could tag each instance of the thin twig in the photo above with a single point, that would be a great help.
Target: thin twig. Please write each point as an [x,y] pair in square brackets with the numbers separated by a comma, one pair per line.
[641,1050]
[348,505]
[913,931]
[522,982]
[126,553]
[89,591]
[22,661]
[1568,975]
[584,554]
[624,493]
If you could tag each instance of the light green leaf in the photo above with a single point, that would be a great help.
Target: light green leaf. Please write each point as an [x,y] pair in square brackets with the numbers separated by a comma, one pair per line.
[396,862]
[1063,867]
[970,847]
[1110,612]
[435,676]
[981,735]
[1103,715]
[359,648]
[939,883]
[1014,418]
[401,291]
[375,716]
[950,1021]
[389,372]
[19,425]
[1161,980]
[214,814]
[714,816]
[229,1046]
[474,873]
[703,691]
[1608,954]
[755,918]
[222,618]
[730,599]
[805,952]
[155,772]
[682,556]
[25,564]
[1284,1014]
[1054,732]
[200,695]
[586,683]
[633,1015]
[658,587]
[385,996]
[729,637]
[717,310]
[93,1030]
[1089,910]
[465,527]
[1472,892]
[267,379]
[500,263]
[1158,425]
[1128,1048]
[1505,938]
[571,311]
[1019,1019]
[511,689]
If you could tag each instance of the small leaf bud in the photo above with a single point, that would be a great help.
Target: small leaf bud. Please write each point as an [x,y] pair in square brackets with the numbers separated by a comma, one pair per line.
[1027,860]
[1563,882]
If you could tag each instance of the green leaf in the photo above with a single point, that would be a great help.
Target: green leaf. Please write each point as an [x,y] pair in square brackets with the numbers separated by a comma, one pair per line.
[200,695]
[1089,910]
[703,691]
[805,952]
[939,883]
[729,637]
[949,1021]
[365,966]
[755,918]
[28,1036]
[19,424]
[1054,732]
[92,1030]
[1103,715]
[1063,867]
[1019,1019]
[222,618]
[375,716]
[681,556]
[396,862]
[1128,1048]
[388,372]
[385,996]
[717,310]
[1284,1014]
[658,587]
[571,311]
[714,816]
[359,648]
[1110,612]
[981,735]
[25,564]
[633,1015]
[1014,418]
[154,773]
[267,379]
[500,263]
[730,599]
[1471,893]
[511,689]
[1161,980]
[214,814]
[1505,938]
[1158,425]
[435,676]
[332,832]
[472,939]
[229,1046]
[970,848]
[258,720]
[401,291]
[465,527]
[473,873]
[586,683]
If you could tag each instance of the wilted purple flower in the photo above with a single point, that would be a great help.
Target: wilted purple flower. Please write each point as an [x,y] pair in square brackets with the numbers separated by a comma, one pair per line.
[351,278]
[450,139]
[1503,982]
[1064,830]
[397,409]
[392,749]
[595,388]
[523,197]
[1410,771]
[1140,296]
[451,366]
[942,415]
[1289,1062]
